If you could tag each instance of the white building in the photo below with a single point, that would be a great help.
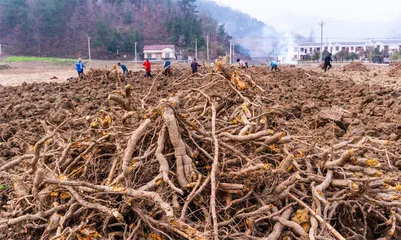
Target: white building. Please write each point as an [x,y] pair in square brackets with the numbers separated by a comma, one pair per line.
[351,47]
[310,48]
[389,45]
[159,52]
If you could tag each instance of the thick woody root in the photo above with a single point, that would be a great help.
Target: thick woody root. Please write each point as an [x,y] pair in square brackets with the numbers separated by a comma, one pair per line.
[185,166]
[217,155]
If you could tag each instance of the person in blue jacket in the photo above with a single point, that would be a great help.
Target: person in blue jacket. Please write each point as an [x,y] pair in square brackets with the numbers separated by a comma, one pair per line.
[167,67]
[273,65]
[124,68]
[80,67]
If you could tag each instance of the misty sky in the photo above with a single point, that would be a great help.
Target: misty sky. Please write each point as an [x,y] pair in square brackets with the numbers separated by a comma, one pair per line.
[346,19]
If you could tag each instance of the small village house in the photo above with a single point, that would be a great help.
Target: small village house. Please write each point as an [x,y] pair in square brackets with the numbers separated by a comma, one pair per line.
[159,52]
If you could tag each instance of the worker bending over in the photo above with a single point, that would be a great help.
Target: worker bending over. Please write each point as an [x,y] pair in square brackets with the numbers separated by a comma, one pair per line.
[124,68]
[242,64]
[167,67]
[274,65]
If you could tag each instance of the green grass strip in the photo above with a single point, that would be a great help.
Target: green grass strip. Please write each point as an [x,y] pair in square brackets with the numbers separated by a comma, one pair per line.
[33,59]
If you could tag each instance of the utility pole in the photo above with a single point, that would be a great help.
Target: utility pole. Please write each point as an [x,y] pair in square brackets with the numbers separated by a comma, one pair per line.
[196,49]
[321,40]
[1,53]
[231,42]
[298,48]
[207,48]
[136,58]
[274,55]
[89,48]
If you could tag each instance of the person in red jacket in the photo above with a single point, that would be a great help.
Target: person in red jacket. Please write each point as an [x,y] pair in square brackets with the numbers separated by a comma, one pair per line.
[147,67]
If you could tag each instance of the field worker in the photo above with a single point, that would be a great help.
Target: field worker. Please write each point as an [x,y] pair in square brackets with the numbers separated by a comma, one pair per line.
[147,67]
[124,68]
[80,67]
[327,62]
[167,67]
[241,64]
[194,66]
[273,65]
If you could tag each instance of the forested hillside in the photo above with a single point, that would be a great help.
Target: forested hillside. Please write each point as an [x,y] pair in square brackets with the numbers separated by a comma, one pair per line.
[60,28]
[253,38]
[237,24]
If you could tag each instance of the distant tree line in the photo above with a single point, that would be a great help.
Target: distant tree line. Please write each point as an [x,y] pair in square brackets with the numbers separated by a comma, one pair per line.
[61,27]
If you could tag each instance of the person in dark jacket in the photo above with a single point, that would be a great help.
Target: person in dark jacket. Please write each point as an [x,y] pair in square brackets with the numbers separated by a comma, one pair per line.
[194,66]
[124,68]
[327,63]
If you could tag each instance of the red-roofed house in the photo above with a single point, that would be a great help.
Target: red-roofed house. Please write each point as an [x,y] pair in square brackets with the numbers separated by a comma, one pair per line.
[159,52]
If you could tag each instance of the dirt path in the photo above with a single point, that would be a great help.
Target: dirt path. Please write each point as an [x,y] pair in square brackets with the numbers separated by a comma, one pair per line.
[30,72]
[17,78]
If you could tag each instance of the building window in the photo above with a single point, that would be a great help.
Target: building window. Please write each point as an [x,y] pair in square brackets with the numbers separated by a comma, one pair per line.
[167,55]
[149,55]
[302,49]
[385,47]
[326,48]
[352,48]
[318,49]
[337,48]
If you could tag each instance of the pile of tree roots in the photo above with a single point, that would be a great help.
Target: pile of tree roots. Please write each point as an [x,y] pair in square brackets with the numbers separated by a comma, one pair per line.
[222,154]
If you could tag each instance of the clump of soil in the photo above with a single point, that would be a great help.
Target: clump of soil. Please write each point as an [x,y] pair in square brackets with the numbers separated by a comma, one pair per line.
[260,154]
[4,67]
[395,69]
[355,67]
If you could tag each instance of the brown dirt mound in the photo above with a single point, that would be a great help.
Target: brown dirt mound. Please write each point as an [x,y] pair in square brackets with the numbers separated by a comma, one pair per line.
[200,157]
[355,67]
[395,69]
[4,67]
